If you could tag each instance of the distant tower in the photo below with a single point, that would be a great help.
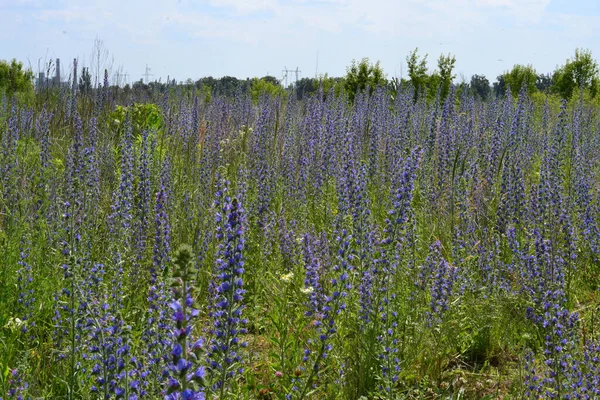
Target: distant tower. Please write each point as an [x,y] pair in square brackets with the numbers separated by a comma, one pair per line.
[147,74]
[57,77]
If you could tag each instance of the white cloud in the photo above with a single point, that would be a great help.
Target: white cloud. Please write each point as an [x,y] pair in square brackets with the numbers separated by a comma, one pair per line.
[493,3]
[204,26]
[245,6]
[66,15]
[409,19]
[575,26]
[273,32]
[523,10]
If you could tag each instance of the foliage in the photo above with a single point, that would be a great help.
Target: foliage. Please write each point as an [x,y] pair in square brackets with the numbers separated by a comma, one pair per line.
[580,72]
[142,116]
[543,83]
[225,86]
[445,67]
[521,76]
[417,71]
[264,86]
[499,86]
[306,87]
[14,79]
[383,249]
[328,83]
[440,80]
[480,86]
[271,79]
[362,75]
[206,93]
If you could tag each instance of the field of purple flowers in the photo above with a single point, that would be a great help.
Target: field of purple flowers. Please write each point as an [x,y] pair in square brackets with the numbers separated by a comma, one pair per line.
[167,245]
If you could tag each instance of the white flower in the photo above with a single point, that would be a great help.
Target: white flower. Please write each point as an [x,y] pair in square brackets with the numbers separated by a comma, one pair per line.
[308,290]
[14,323]
[287,277]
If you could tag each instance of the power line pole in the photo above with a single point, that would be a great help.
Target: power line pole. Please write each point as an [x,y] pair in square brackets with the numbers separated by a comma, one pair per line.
[147,73]
[285,75]
[286,72]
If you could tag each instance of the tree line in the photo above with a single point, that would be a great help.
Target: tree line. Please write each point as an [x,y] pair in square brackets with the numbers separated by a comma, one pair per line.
[581,72]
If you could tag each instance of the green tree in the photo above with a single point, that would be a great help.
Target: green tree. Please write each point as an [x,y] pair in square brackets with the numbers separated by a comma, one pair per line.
[326,83]
[480,85]
[521,75]
[500,86]
[265,86]
[305,87]
[362,75]
[229,85]
[543,83]
[14,79]
[206,81]
[271,79]
[417,71]
[445,67]
[578,72]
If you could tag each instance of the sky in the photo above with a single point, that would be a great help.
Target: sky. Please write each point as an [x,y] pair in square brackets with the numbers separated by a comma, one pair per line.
[184,39]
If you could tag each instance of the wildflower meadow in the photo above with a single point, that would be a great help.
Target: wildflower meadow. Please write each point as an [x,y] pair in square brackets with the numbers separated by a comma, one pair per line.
[173,244]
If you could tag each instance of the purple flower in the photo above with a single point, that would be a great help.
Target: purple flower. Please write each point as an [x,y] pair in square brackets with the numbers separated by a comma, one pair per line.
[184,353]
[227,307]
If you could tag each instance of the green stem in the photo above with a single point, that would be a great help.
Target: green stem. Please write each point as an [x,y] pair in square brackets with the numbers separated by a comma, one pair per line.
[184,344]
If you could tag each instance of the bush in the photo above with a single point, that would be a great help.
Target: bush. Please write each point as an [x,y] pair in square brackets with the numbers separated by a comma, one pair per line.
[14,79]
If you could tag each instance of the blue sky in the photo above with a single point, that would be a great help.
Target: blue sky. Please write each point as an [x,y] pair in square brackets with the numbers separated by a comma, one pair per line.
[196,38]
